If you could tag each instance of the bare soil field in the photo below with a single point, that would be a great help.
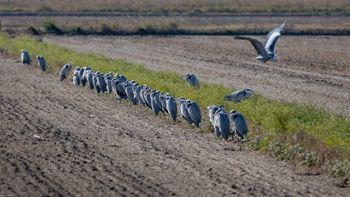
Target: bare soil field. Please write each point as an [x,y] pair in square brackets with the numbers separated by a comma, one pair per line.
[178,5]
[60,140]
[312,70]
[226,23]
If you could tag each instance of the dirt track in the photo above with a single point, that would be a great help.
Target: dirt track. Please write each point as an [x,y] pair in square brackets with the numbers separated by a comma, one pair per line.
[310,69]
[62,140]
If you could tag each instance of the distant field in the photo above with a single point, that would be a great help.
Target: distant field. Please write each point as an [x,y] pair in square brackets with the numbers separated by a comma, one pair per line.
[178,6]
[180,24]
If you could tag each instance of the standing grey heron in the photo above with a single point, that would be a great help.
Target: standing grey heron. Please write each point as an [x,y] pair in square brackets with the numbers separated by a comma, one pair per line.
[108,79]
[221,124]
[155,102]
[76,77]
[41,62]
[240,123]
[101,82]
[195,112]
[192,80]
[25,58]
[84,75]
[211,112]
[89,79]
[171,107]
[239,95]
[184,111]
[65,71]
[94,81]
[266,50]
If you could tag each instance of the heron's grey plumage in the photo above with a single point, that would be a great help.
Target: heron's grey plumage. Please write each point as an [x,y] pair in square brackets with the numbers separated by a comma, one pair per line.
[266,51]
[171,107]
[239,95]
[156,108]
[76,77]
[41,62]
[65,71]
[211,111]
[25,58]
[240,123]
[195,112]
[89,79]
[221,124]
[108,79]
[94,81]
[84,75]
[192,80]
[101,83]
[184,111]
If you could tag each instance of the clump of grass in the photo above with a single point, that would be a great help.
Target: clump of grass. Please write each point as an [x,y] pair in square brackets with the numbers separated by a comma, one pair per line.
[286,129]
[339,169]
[51,28]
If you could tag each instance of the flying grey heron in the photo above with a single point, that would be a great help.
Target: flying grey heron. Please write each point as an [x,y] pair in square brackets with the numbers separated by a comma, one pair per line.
[171,107]
[266,50]
[41,62]
[239,95]
[192,80]
[184,111]
[25,58]
[65,71]
[221,124]
[240,123]
[195,112]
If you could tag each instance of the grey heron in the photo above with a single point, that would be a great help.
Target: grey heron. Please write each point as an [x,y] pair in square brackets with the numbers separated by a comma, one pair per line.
[195,112]
[89,79]
[184,111]
[240,123]
[171,107]
[192,80]
[239,95]
[266,50]
[94,82]
[25,58]
[156,108]
[101,82]
[84,75]
[76,77]
[211,111]
[41,62]
[65,71]
[221,124]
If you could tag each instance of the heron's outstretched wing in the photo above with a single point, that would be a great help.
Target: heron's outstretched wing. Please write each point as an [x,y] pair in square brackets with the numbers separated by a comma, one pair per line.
[257,45]
[271,42]
[278,29]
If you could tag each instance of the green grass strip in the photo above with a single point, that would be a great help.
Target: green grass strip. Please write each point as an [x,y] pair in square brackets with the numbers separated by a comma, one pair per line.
[274,120]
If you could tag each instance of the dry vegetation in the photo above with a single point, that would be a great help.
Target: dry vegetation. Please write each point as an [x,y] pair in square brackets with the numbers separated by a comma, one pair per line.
[178,6]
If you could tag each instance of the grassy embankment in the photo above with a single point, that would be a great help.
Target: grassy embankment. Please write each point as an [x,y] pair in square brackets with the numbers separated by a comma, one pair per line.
[298,132]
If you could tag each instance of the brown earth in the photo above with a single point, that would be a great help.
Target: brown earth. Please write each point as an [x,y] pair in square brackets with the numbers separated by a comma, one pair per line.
[209,23]
[61,140]
[310,69]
